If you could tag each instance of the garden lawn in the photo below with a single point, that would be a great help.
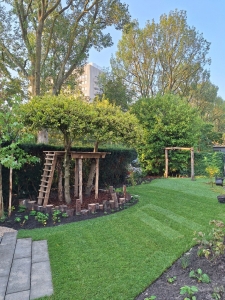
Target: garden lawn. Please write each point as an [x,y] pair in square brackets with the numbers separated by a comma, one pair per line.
[118,256]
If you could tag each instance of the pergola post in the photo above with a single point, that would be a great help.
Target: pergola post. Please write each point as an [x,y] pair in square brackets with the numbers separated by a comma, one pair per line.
[96,178]
[76,171]
[192,164]
[166,163]
[80,179]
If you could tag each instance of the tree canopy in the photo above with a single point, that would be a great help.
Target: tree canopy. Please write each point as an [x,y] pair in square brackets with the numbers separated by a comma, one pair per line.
[168,121]
[165,57]
[46,40]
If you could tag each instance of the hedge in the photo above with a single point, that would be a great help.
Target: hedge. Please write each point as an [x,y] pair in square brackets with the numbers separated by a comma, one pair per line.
[112,169]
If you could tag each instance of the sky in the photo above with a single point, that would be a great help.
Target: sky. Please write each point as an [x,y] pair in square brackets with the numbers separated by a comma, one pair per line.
[207,16]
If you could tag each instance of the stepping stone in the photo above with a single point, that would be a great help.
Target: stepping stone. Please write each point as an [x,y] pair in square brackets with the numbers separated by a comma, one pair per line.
[23,248]
[6,255]
[25,295]
[19,278]
[3,285]
[39,251]
[41,280]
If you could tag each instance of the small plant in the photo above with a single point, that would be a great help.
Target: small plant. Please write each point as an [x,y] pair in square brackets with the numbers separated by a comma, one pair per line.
[190,291]
[185,261]
[33,213]
[17,219]
[151,298]
[218,292]
[21,208]
[56,216]
[42,218]
[171,279]
[24,220]
[212,245]
[212,171]
[200,276]
[65,215]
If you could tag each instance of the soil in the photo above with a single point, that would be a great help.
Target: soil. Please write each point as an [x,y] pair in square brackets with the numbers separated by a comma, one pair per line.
[17,220]
[163,290]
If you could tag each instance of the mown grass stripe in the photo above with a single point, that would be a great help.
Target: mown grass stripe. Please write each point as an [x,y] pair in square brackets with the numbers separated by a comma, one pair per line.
[158,226]
[177,218]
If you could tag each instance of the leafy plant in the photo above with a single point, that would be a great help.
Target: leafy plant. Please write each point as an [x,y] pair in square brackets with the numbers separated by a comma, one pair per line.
[212,245]
[56,216]
[17,219]
[212,171]
[24,220]
[33,213]
[189,290]
[184,261]
[21,208]
[171,279]
[65,215]
[42,218]
[202,277]
[151,298]
[218,292]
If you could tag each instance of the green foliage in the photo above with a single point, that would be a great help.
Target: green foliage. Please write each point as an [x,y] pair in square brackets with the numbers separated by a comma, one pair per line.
[33,213]
[171,279]
[164,57]
[42,218]
[204,160]
[211,245]
[168,121]
[200,276]
[21,208]
[185,261]
[151,298]
[189,290]
[113,169]
[56,216]
[218,292]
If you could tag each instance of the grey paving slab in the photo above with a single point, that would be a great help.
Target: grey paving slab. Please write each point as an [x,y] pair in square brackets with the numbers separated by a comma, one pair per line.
[19,278]
[23,248]
[3,285]
[9,238]
[6,255]
[39,251]
[41,280]
[25,295]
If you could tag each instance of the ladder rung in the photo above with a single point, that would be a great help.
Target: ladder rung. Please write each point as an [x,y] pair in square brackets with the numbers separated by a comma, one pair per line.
[47,164]
[46,176]
[42,180]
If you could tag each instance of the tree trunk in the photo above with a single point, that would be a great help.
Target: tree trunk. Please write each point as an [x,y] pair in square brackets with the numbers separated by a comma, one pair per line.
[10,192]
[1,194]
[60,179]
[42,137]
[91,175]
[67,177]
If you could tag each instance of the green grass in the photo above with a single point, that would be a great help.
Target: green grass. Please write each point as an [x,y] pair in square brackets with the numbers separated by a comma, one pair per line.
[118,256]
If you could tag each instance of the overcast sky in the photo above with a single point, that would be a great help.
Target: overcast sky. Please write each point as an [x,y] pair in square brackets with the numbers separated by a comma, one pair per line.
[207,16]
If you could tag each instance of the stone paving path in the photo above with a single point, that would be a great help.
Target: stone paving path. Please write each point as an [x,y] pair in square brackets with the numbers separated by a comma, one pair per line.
[25,272]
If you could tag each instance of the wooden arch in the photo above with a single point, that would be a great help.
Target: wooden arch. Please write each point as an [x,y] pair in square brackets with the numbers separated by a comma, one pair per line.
[179,148]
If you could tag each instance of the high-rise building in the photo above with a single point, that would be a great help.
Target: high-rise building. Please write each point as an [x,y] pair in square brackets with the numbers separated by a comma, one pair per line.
[89,80]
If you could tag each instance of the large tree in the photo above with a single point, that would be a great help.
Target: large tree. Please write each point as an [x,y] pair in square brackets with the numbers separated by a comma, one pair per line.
[44,41]
[168,121]
[169,56]
[71,116]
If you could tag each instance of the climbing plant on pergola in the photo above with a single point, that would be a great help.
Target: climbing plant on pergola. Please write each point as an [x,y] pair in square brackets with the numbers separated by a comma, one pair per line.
[179,148]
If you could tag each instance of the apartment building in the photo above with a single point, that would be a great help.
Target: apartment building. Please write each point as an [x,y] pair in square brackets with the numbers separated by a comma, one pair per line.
[89,80]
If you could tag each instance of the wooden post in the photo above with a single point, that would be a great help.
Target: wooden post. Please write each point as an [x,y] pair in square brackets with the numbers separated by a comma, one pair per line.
[80,179]
[166,163]
[192,164]
[76,175]
[96,178]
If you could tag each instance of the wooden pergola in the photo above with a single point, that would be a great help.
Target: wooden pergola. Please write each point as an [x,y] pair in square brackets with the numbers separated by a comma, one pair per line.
[49,168]
[78,157]
[179,148]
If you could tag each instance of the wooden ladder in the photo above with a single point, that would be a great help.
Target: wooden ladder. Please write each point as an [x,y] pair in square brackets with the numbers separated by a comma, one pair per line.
[47,177]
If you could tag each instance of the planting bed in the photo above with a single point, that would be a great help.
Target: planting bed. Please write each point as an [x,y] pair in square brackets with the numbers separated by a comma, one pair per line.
[163,290]
[23,220]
